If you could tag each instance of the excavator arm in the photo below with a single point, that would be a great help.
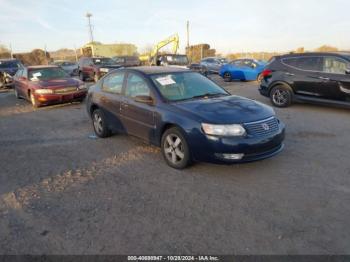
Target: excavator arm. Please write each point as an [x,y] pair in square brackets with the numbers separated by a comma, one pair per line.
[151,56]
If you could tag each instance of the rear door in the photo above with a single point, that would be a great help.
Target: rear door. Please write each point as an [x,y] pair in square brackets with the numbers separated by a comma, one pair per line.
[138,118]
[21,83]
[111,99]
[304,71]
[335,78]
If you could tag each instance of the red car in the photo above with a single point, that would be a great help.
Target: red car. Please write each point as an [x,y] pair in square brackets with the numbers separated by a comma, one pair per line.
[43,85]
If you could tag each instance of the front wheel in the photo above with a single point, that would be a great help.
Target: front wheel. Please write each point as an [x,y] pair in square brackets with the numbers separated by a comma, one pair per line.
[175,149]
[81,76]
[100,124]
[281,96]
[16,93]
[33,100]
[227,77]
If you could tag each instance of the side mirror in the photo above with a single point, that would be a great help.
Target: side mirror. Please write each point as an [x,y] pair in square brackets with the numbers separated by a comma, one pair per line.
[347,71]
[144,99]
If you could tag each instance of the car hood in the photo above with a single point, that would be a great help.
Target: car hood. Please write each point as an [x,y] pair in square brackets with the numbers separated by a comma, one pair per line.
[110,66]
[226,110]
[57,83]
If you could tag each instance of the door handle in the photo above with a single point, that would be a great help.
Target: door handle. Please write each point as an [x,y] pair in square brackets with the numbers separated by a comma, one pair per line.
[324,78]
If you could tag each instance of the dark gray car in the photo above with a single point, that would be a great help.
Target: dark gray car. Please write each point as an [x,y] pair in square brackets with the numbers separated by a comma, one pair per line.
[69,67]
[212,64]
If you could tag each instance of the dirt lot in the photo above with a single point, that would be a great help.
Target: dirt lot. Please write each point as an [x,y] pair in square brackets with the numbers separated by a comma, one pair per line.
[62,192]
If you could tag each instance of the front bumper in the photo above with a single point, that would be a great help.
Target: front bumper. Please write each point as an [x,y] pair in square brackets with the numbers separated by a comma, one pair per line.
[213,149]
[60,98]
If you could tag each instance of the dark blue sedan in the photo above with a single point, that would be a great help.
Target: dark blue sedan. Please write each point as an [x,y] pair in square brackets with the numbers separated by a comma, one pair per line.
[190,117]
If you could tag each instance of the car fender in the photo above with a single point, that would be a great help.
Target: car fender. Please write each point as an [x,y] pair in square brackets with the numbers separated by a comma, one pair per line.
[275,83]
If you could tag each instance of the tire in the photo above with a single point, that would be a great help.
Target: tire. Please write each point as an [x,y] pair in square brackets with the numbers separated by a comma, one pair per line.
[96,78]
[175,149]
[281,96]
[258,78]
[16,93]
[100,124]
[81,76]
[227,77]
[33,100]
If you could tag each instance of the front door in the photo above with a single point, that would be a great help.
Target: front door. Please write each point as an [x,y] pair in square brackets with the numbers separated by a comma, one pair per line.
[304,73]
[138,118]
[336,80]
[111,99]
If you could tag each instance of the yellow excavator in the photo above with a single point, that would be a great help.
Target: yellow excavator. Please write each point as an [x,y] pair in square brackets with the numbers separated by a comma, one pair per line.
[152,57]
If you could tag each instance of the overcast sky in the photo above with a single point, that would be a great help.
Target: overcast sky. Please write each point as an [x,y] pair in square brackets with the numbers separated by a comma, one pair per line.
[227,25]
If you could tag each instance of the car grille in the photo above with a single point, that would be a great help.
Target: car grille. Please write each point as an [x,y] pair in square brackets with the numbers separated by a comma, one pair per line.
[66,90]
[262,128]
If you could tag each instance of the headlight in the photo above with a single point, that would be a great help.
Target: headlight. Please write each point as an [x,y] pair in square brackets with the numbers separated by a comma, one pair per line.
[82,86]
[43,91]
[224,130]
[104,70]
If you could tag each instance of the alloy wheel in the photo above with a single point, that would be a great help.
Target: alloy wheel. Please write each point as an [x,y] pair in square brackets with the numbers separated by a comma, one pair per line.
[227,77]
[173,149]
[280,97]
[98,123]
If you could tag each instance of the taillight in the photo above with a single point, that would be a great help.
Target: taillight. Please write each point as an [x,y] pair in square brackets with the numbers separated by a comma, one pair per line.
[266,73]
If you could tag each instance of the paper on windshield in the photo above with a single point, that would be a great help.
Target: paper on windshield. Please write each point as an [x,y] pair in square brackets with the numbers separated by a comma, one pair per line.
[35,76]
[165,81]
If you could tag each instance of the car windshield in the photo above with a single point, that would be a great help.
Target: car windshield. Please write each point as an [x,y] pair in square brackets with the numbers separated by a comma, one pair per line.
[177,59]
[186,85]
[223,60]
[103,61]
[10,64]
[46,74]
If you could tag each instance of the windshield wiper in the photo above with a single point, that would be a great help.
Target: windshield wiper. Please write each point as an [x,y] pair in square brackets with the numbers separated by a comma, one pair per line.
[208,95]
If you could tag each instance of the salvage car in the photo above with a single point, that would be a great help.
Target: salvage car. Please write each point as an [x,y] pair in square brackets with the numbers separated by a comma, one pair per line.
[127,61]
[212,64]
[95,67]
[190,117]
[43,85]
[322,78]
[68,66]
[8,68]
[243,70]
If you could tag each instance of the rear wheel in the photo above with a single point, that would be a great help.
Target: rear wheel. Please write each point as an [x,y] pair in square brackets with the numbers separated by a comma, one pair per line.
[281,96]
[175,149]
[227,77]
[100,124]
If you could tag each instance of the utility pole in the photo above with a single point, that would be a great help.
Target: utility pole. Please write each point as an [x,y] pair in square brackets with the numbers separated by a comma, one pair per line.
[88,15]
[188,34]
[11,52]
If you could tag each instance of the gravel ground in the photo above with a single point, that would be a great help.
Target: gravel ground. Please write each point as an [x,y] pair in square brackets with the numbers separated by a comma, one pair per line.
[63,192]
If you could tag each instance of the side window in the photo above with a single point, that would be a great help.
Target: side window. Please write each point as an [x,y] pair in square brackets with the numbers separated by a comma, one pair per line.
[334,65]
[113,83]
[305,63]
[136,86]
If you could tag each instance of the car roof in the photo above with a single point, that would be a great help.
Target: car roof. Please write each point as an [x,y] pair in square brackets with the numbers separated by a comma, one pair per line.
[42,66]
[150,70]
[8,59]
[316,54]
